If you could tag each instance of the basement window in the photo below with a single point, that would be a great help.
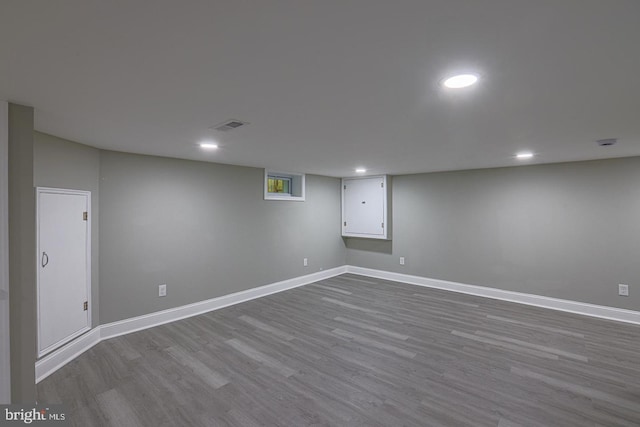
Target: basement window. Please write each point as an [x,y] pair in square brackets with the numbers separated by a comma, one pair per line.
[283,186]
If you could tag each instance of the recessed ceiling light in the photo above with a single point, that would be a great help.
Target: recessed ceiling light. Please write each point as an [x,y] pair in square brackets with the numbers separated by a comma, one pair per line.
[524,155]
[361,170]
[460,81]
[208,145]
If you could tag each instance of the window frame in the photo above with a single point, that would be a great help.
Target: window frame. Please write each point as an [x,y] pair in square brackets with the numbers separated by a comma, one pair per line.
[296,186]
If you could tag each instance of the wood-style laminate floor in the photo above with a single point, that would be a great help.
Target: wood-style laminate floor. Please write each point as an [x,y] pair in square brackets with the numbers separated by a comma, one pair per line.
[356,351]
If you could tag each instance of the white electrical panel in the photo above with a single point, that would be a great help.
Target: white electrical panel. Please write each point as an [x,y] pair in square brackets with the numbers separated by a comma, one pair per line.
[365,211]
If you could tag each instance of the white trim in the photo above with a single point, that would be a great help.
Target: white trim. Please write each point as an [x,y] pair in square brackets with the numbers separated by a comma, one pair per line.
[87,194]
[5,355]
[65,354]
[54,361]
[385,208]
[586,309]
[146,321]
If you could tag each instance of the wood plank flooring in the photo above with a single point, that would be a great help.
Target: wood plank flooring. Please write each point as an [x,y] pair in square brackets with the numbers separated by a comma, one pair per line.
[356,351]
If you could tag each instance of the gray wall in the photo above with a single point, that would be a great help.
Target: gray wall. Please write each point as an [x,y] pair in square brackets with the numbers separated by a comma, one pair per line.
[569,230]
[22,255]
[5,343]
[60,163]
[562,230]
[204,230]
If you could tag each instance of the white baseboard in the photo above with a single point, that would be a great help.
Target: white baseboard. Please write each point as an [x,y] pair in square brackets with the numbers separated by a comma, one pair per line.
[593,310]
[146,321]
[65,354]
[57,359]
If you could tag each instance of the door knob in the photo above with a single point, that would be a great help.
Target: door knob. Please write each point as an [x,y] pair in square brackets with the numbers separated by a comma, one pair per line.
[45,259]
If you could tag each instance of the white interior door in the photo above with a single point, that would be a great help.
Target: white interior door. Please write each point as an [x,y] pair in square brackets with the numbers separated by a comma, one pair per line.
[63,266]
[364,206]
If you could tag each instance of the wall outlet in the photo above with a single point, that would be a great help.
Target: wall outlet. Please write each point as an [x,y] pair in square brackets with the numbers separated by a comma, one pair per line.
[401,260]
[305,262]
[162,290]
[623,290]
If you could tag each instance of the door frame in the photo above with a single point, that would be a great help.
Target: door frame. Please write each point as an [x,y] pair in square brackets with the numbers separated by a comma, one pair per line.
[50,190]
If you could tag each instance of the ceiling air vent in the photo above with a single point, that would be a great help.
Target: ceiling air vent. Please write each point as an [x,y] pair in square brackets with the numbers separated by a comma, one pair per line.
[229,125]
[606,142]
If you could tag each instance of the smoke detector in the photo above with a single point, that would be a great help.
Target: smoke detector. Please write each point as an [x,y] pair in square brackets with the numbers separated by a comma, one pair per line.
[606,142]
[228,125]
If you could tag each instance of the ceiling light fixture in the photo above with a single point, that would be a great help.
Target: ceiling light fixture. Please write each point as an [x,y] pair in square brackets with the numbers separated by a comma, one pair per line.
[524,155]
[208,145]
[361,170]
[460,81]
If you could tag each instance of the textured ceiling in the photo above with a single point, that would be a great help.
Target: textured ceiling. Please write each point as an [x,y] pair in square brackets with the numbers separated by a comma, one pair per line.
[331,85]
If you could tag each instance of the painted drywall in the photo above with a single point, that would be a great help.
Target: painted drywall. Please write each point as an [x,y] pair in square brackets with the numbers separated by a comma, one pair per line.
[566,230]
[60,163]
[204,230]
[5,342]
[22,254]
